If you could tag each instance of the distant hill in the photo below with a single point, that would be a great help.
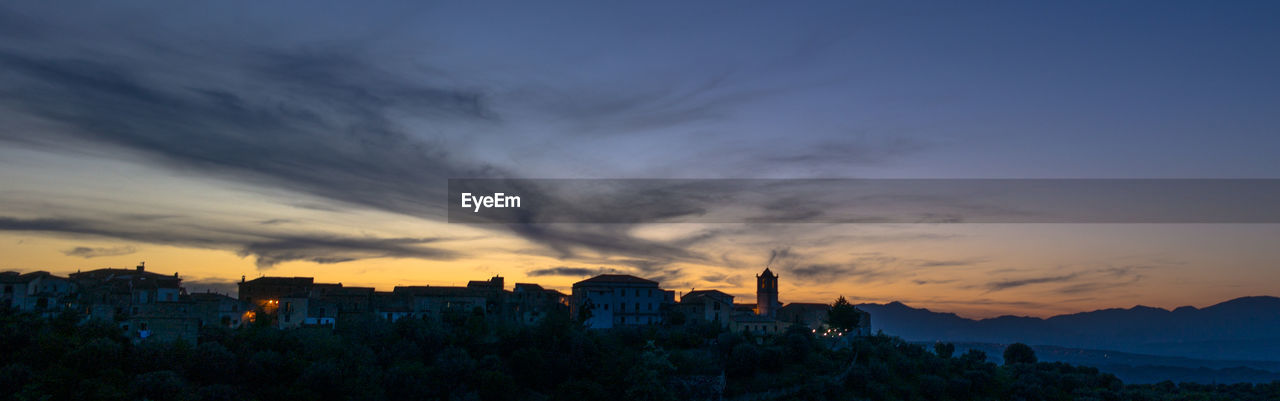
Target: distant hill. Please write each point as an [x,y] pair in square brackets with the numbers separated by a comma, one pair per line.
[1244,329]
[1140,368]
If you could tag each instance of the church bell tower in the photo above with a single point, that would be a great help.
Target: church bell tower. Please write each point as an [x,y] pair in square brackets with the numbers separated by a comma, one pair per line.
[767,294]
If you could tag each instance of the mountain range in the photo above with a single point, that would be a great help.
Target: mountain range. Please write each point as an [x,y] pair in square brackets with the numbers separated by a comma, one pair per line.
[1245,328]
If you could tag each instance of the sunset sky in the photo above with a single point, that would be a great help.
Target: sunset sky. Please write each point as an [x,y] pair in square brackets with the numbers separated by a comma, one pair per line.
[308,139]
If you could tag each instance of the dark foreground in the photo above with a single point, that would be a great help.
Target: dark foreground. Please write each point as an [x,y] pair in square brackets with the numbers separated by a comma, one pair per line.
[470,358]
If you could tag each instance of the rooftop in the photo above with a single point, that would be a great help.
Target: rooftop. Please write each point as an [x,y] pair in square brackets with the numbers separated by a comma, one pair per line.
[692,295]
[266,280]
[802,305]
[616,279]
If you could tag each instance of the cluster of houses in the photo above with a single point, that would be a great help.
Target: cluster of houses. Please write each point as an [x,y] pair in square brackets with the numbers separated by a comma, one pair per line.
[155,307]
[615,300]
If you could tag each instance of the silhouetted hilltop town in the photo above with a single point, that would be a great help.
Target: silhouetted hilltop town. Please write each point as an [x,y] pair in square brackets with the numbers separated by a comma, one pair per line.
[155,307]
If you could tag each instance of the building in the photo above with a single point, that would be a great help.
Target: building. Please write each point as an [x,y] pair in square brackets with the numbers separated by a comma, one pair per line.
[760,318]
[265,292]
[758,324]
[164,322]
[116,294]
[38,292]
[439,303]
[148,306]
[219,310]
[811,315]
[532,303]
[767,294]
[814,316]
[391,306]
[299,301]
[616,300]
[706,306]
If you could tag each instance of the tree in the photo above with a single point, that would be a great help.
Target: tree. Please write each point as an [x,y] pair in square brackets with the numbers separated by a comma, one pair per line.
[944,350]
[843,315]
[647,378]
[974,356]
[1019,353]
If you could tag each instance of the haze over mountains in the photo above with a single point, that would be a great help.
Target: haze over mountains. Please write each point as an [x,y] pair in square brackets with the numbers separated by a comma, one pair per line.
[1245,328]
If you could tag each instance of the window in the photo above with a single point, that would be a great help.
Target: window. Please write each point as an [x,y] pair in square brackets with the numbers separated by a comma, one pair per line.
[717,306]
[650,306]
[606,306]
[622,307]
[637,306]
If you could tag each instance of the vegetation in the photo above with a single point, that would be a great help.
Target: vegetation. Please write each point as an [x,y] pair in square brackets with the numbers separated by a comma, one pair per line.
[472,358]
[1019,353]
[843,315]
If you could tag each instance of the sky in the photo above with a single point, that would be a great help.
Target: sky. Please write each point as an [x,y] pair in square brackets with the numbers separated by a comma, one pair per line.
[315,139]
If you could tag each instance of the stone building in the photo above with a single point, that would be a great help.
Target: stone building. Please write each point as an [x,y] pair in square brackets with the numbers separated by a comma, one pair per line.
[38,292]
[767,294]
[219,310]
[533,303]
[707,306]
[811,315]
[615,300]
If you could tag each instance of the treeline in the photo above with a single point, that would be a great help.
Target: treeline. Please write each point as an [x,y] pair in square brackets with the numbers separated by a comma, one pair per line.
[472,358]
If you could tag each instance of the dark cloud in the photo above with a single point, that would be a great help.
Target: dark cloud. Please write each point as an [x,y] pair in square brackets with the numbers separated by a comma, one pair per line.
[88,252]
[1094,286]
[825,273]
[274,221]
[819,272]
[948,263]
[334,249]
[571,271]
[268,247]
[923,282]
[315,121]
[329,119]
[1007,284]
[1106,278]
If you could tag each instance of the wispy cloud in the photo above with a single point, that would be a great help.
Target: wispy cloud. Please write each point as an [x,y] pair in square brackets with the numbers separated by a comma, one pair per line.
[268,247]
[1007,284]
[571,271]
[89,252]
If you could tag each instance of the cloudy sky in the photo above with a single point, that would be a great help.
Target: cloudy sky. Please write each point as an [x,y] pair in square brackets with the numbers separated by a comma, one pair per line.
[310,139]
